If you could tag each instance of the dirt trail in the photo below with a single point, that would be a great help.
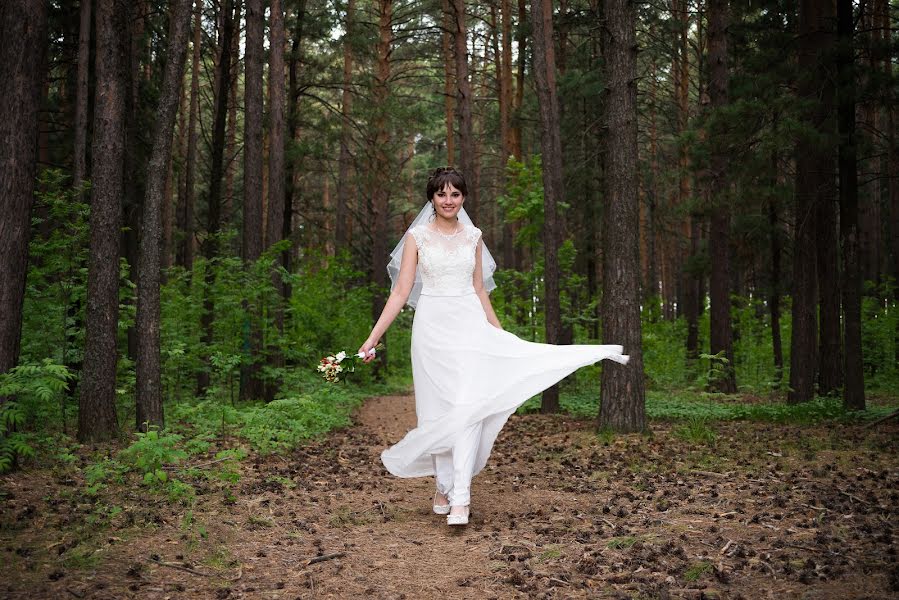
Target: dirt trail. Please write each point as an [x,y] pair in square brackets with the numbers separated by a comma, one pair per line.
[762,511]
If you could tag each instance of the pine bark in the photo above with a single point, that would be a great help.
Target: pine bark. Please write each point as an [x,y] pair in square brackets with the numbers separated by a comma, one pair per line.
[622,399]
[96,405]
[378,202]
[184,252]
[854,382]
[22,70]
[149,365]
[276,170]
[213,213]
[720,330]
[774,287]
[814,172]
[464,102]
[449,85]
[342,233]
[553,188]
[79,167]
[250,383]
[820,185]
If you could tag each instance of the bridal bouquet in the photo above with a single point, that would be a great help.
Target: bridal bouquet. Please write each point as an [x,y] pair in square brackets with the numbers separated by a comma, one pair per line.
[335,367]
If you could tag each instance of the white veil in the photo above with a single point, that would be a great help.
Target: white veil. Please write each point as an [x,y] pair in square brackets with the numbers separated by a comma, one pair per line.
[488,265]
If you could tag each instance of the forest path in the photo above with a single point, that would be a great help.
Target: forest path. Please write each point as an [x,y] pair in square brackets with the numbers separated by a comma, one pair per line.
[752,511]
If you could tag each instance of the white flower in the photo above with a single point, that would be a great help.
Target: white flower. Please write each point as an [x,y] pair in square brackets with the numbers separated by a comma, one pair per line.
[341,355]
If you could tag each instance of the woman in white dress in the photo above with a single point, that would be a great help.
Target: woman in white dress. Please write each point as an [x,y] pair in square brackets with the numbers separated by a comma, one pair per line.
[469,374]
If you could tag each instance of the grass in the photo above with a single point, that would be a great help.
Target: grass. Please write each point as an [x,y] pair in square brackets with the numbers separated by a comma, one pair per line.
[697,570]
[621,543]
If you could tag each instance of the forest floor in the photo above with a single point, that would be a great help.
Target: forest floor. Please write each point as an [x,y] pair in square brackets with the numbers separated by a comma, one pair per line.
[729,510]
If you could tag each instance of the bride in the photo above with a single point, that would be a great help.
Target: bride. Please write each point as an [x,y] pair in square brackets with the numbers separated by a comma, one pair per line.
[469,374]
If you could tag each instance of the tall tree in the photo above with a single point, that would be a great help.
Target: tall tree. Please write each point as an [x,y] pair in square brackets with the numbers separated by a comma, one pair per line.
[814,173]
[817,164]
[184,255]
[79,169]
[148,366]
[22,58]
[276,172]
[449,96]
[213,213]
[854,384]
[342,234]
[250,383]
[720,328]
[553,187]
[464,101]
[96,406]
[622,398]
[378,201]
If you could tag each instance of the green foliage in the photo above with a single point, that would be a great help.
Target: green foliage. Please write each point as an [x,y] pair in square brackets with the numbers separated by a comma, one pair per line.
[880,341]
[56,285]
[523,202]
[152,451]
[696,430]
[31,390]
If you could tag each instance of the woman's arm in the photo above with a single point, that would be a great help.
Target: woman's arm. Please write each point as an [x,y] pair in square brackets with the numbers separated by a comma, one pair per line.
[398,296]
[478,282]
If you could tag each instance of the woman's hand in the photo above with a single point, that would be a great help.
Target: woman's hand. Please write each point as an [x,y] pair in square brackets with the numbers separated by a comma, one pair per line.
[368,350]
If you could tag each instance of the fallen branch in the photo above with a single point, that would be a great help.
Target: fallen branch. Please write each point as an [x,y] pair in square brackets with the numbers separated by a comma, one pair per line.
[851,497]
[319,559]
[710,473]
[179,567]
[892,415]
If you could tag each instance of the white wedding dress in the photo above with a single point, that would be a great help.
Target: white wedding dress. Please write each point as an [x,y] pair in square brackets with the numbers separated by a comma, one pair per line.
[468,375]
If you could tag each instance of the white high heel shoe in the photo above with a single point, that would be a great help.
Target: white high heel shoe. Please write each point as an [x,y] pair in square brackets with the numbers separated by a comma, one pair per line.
[459,519]
[441,509]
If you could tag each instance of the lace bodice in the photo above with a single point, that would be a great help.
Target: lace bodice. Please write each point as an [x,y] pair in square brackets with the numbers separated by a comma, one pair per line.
[446,263]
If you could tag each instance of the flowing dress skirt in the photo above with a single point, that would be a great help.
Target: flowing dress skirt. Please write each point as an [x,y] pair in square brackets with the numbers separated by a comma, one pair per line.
[466,371]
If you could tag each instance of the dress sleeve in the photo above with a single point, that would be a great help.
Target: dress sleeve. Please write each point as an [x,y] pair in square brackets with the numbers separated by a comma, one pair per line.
[474,236]
[418,236]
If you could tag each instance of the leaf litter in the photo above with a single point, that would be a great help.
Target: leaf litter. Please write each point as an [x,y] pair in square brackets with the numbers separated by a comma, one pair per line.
[756,510]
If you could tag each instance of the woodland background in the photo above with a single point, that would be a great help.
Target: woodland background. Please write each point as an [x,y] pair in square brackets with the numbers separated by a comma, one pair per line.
[198,197]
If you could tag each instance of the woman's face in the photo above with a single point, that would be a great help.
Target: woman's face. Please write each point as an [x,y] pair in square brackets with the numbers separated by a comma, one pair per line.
[448,201]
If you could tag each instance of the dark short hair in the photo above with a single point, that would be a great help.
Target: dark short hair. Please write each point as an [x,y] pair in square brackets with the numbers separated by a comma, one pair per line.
[441,176]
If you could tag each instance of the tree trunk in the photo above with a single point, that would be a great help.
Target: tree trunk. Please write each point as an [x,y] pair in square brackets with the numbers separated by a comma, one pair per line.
[819,184]
[720,330]
[344,187]
[505,116]
[79,168]
[622,400]
[231,146]
[854,383]
[293,129]
[814,172]
[276,172]
[464,99]
[553,188]
[148,367]
[213,215]
[22,63]
[135,153]
[380,193]
[96,405]
[518,98]
[184,253]
[250,384]
[774,291]
[449,95]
